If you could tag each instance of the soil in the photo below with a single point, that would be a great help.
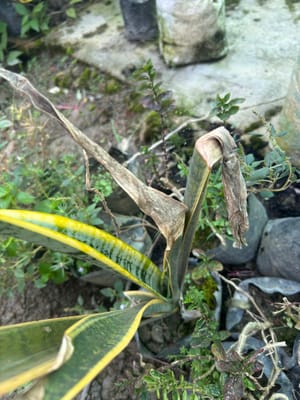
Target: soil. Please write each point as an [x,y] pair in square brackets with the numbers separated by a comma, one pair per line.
[91,101]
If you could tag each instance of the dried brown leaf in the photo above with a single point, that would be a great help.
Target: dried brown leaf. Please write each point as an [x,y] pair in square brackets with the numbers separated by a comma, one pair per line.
[234,185]
[168,214]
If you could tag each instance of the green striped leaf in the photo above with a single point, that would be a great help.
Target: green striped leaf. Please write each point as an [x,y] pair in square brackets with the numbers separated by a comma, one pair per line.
[31,350]
[97,340]
[86,242]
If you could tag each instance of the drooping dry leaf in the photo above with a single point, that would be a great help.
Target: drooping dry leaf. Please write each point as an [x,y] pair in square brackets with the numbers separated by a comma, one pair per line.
[168,214]
[234,185]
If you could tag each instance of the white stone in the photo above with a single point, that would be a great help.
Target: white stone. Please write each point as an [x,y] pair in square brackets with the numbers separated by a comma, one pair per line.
[191,31]
[290,118]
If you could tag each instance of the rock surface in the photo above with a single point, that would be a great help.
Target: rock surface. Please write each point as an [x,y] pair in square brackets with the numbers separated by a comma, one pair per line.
[262,43]
[290,118]
[268,285]
[279,251]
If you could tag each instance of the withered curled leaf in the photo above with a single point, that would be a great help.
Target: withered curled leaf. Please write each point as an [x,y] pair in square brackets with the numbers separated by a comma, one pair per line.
[234,185]
[167,213]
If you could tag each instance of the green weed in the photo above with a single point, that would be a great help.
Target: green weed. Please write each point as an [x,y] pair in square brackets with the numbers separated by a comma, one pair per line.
[34,18]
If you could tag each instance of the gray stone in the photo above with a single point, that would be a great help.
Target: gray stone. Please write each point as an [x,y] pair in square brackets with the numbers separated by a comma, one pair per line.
[269,285]
[257,220]
[87,26]
[290,118]
[10,17]
[139,19]
[190,32]
[279,251]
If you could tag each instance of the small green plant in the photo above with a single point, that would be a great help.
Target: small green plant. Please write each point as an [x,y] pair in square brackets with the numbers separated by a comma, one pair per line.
[273,172]
[115,295]
[159,102]
[11,196]
[71,11]
[14,268]
[213,217]
[152,95]
[225,107]
[34,18]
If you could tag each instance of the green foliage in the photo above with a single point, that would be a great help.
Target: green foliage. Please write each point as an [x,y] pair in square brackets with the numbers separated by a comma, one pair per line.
[202,381]
[11,196]
[104,184]
[225,107]
[111,86]
[47,186]
[35,264]
[213,373]
[153,96]
[273,172]
[34,18]
[4,124]
[7,56]
[15,258]
[71,11]
[160,102]
[115,295]
[213,217]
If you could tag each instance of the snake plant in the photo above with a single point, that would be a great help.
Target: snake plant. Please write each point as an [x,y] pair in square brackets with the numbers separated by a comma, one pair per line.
[60,356]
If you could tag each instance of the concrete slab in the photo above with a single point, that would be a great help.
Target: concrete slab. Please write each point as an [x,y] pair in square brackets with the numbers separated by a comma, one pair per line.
[263,42]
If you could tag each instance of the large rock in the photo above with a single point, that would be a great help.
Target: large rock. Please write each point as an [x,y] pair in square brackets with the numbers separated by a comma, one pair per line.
[290,118]
[139,19]
[191,31]
[257,220]
[10,17]
[240,301]
[279,251]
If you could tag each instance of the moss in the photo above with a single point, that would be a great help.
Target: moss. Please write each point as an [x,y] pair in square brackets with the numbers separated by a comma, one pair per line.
[153,120]
[134,104]
[151,127]
[63,79]
[85,76]
[201,276]
[112,86]
[291,4]
[232,3]
[209,288]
